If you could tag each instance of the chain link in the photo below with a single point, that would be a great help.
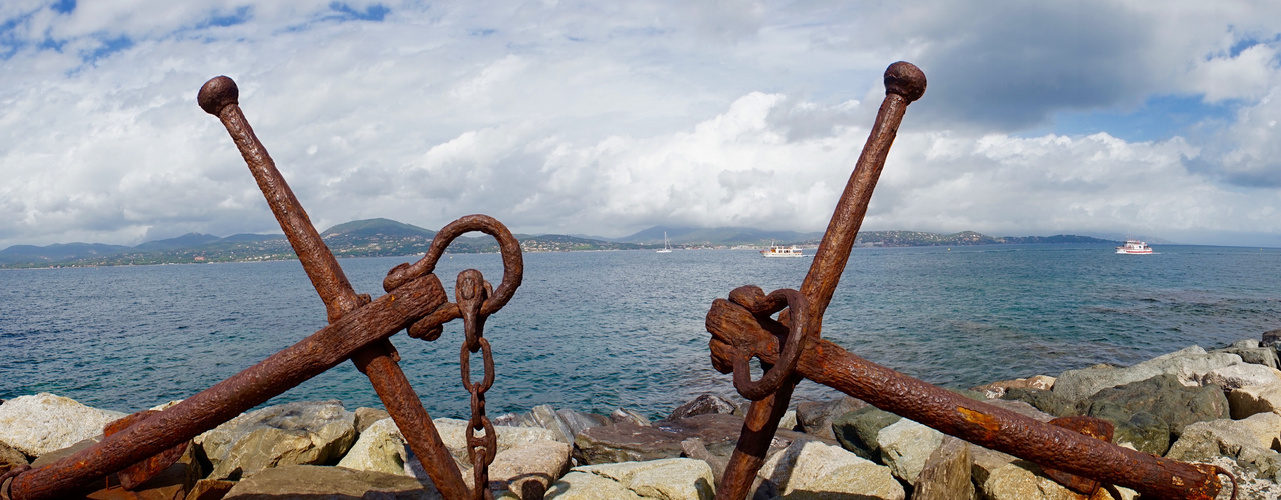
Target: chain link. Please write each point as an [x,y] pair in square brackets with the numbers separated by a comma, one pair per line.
[471,291]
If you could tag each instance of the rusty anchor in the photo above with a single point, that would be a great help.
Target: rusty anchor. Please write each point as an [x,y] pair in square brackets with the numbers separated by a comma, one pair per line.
[359,329]
[789,349]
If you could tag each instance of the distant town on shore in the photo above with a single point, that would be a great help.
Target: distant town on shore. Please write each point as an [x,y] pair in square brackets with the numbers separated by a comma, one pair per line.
[388,238]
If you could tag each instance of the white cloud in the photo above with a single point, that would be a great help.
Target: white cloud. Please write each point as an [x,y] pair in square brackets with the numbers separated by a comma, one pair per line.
[607,118]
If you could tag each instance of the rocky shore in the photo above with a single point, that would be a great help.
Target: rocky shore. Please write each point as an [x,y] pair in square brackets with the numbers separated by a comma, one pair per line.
[1221,406]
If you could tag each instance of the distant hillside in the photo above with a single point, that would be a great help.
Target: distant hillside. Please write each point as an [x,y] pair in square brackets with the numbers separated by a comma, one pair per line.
[386,237]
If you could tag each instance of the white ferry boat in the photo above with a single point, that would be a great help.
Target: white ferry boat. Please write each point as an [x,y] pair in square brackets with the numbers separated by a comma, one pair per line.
[782,251]
[1134,247]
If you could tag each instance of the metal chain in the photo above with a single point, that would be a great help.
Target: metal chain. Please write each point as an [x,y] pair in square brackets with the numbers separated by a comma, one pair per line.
[470,291]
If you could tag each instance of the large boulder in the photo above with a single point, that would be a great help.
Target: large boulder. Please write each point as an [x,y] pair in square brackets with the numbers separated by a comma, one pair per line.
[380,448]
[309,481]
[1046,401]
[1162,396]
[703,405]
[946,474]
[1247,401]
[1023,480]
[1240,375]
[547,418]
[1187,365]
[667,479]
[812,469]
[816,417]
[856,431]
[580,421]
[629,442]
[527,470]
[1248,441]
[1251,352]
[35,425]
[290,434]
[905,446]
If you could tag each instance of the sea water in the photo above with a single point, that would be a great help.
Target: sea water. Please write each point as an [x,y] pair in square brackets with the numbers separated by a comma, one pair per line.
[598,330]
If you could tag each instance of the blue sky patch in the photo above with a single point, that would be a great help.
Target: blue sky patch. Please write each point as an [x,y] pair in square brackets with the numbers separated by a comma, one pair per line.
[1161,117]
[240,16]
[63,6]
[109,46]
[375,12]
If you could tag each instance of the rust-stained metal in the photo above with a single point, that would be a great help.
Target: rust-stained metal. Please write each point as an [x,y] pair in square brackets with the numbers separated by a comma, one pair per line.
[359,330]
[139,473]
[740,331]
[1094,427]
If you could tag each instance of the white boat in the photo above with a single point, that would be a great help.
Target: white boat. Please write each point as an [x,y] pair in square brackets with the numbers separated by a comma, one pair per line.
[1134,247]
[782,251]
[666,247]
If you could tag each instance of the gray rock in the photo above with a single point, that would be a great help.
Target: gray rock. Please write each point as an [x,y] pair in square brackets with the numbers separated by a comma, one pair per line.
[288,434]
[667,479]
[628,442]
[527,470]
[621,415]
[380,448]
[366,417]
[1023,480]
[816,417]
[453,433]
[1162,396]
[811,469]
[579,421]
[946,474]
[703,405]
[525,419]
[35,425]
[1240,375]
[1247,441]
[905,446]
[856,431]
[1187,365]
[309,481]
[547,418]
[1046,401]
[1266,356]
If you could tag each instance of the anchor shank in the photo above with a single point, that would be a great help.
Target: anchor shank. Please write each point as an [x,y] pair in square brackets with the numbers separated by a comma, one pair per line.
[375,360]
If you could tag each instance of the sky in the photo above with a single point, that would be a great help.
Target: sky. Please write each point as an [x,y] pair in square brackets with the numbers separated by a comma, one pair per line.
[1093,117]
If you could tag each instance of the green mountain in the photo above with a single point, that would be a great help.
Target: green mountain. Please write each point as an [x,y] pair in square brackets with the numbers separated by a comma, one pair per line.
[386,237]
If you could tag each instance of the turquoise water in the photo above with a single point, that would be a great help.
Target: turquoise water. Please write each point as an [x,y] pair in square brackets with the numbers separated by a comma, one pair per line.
[598,330]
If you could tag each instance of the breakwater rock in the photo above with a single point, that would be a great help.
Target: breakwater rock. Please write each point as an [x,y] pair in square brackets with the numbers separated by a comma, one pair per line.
[1221,406]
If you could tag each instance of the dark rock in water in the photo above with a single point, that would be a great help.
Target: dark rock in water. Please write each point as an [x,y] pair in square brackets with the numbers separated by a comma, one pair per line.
[579,421]
[1271,338]
[703,405]
[1162,396]
[1046,401]
[856,431]
[1266,356]
[946,474]
[816,417]
[629,442]
[309,481]
[621,415]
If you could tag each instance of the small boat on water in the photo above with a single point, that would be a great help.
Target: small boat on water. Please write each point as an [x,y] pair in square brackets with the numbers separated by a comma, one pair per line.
[1134,247]
[666,247]
[782,251]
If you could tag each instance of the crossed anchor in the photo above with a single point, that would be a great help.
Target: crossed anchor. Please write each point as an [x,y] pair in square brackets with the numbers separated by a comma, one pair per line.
[1074,451]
